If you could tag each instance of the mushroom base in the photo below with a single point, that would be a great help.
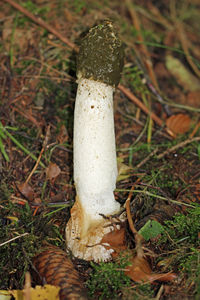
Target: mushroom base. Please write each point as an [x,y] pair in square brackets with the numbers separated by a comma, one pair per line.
[84,235]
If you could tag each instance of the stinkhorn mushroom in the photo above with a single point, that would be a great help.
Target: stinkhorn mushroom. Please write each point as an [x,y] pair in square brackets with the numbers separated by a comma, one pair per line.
[99,66]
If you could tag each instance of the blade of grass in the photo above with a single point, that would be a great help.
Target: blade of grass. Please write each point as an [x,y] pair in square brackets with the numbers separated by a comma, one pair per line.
[153,44]
[18,144]
[15,141]
[2,150]
[56,210]
[156,196]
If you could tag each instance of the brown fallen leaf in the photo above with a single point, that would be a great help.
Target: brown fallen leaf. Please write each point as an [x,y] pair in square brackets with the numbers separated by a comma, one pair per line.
[115,240]
[193,99]
[26,190]
[140,271]
[178,124]
[52,171]
[57,269]
[62,136]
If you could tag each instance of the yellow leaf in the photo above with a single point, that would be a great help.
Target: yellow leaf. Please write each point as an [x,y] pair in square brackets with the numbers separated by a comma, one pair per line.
[124,171]
[5,295]
[48,291]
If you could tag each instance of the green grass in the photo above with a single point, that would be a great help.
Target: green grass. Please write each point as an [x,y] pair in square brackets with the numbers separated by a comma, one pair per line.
[4,133]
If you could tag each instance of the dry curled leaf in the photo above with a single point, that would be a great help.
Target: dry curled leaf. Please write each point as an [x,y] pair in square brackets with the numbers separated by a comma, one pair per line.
[52,171]
[178,124]
[124,171]
[116,240]
[57,269]
[140,271]
[62,136]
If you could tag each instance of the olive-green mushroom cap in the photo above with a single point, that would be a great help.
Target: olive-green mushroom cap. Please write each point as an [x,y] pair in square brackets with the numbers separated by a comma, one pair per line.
[101,55]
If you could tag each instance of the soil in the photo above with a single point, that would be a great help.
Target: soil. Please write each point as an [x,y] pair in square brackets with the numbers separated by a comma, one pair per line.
[156,110]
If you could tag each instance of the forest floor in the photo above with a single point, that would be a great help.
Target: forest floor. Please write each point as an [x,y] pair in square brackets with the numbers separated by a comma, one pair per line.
[157,125]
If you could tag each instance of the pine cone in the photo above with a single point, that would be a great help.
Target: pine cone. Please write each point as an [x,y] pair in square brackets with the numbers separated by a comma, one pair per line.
[55,267]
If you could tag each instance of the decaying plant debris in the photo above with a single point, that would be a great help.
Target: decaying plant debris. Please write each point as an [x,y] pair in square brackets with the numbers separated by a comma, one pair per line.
[156,108]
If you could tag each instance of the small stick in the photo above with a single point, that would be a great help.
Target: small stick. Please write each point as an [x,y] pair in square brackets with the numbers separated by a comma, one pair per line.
[133,98]
[195,130]
[27,116]
[40,22]
[128,211]
[137,236]
[13,239]
[161,289]
[147,158]
[41,152]
[158,17]
[180,145]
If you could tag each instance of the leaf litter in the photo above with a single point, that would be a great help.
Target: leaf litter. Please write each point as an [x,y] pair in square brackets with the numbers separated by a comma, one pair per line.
[38,90]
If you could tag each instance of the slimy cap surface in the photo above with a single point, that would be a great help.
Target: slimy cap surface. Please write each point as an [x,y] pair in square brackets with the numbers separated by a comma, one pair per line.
[101,55]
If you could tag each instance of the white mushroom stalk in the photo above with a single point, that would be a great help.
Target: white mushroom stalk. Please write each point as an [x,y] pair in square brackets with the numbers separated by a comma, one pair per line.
[99,65]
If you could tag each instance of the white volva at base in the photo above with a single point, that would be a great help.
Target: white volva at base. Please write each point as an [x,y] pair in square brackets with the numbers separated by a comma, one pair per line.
[95,166]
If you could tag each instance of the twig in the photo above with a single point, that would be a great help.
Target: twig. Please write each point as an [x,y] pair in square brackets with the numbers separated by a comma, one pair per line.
[18,200]
[161,289]
[156,196]
[27,115]
[180,145]
[13,239]
[158,17]
[42,23]
[41,152]
[196,128]
[147,158]
[128,211]
[133,98]
[137,236]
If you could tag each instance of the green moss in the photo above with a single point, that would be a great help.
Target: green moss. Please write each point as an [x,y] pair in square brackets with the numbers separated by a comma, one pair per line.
[185,226]
[101,55]
[16,254]
[181,239]
[107,279]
